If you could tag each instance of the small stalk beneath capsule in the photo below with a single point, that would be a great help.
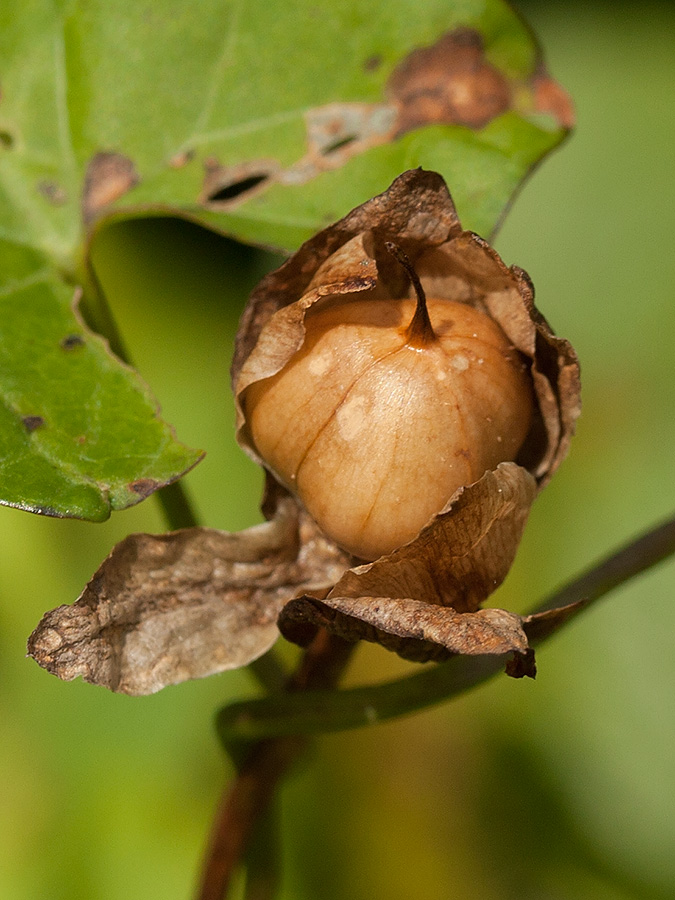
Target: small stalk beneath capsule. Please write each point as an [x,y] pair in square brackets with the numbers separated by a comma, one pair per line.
[420,333]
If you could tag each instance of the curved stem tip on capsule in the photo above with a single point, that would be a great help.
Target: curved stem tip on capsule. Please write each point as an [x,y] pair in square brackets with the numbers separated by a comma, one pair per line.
[420,333]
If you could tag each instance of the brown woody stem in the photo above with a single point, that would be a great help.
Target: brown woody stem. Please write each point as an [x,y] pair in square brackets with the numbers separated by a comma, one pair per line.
[248,800]
[420,332]
[242,806]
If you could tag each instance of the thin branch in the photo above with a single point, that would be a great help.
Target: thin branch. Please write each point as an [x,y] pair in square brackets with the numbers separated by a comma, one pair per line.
[270,672]
[248,802]
[263,859]
[319,711]
[309,706]
[261,769]
[96,310]
[323,712]
[632,559]
[243,805]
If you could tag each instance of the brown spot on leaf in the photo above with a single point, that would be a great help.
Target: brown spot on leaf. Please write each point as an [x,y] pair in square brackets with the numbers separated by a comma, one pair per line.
[72,341]
[181,159]
[32,423]
[339,144]
[52,192]
[448,83]
[340,130]
[108,177]
[226,186]
[145,486]
[337,125]
[551,98]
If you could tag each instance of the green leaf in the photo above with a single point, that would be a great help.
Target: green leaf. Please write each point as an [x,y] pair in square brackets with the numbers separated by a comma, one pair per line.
[263,127]
[79,432]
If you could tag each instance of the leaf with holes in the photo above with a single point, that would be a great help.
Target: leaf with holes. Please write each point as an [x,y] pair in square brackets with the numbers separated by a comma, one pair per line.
[261,127]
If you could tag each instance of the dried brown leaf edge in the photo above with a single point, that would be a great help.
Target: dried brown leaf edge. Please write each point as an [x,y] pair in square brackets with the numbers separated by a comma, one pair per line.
[162,609]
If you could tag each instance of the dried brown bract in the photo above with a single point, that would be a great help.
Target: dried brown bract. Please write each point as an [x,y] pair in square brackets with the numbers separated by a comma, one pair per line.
[165,608]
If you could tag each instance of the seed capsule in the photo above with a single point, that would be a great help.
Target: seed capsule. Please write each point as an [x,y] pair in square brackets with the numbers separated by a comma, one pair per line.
[386,410]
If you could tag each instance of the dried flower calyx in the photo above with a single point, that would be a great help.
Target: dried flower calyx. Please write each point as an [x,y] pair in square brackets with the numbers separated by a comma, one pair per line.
[387,369]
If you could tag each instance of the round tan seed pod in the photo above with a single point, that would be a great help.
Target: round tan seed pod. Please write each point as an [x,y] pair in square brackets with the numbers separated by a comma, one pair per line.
[387,408]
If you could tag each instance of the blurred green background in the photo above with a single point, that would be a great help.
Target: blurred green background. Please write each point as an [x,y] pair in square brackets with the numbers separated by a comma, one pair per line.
[561,789]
